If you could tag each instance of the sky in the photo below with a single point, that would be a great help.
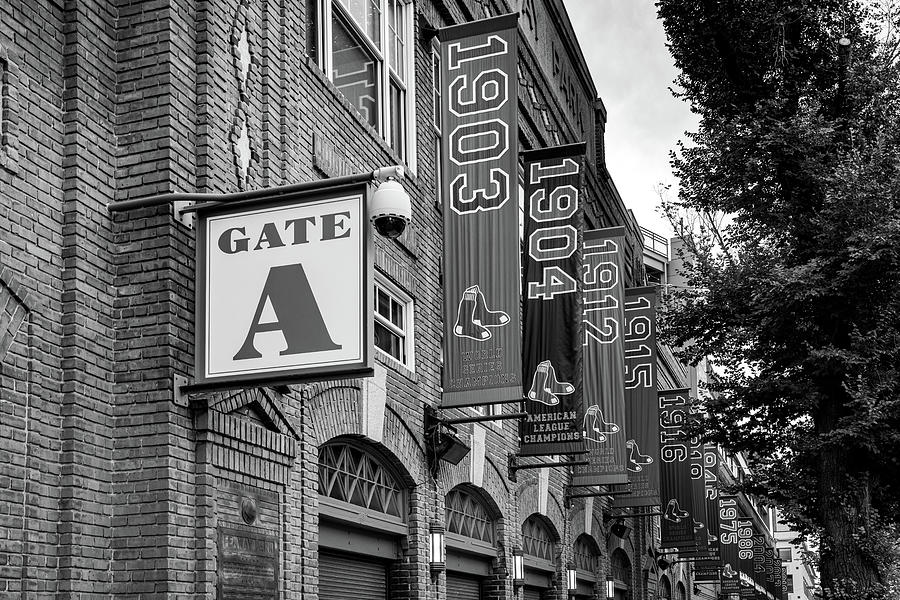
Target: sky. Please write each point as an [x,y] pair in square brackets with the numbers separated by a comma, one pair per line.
[624,45]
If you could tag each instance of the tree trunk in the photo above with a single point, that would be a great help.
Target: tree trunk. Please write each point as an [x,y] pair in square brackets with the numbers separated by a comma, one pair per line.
[847,569]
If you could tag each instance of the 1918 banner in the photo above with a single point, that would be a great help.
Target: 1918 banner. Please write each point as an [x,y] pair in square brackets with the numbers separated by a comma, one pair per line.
[551,359]
[482,339]
[603,414]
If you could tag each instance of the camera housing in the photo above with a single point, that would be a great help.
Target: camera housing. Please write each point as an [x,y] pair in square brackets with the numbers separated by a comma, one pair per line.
[390,209]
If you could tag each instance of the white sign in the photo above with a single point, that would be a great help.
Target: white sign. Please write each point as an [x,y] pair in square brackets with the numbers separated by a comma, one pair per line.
[284,290]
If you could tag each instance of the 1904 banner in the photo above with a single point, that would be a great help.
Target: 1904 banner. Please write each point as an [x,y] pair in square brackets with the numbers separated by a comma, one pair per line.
[603,415]
[482,339]
[551,359]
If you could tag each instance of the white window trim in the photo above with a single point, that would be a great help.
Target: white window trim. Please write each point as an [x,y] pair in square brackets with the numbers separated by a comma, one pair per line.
[324,23]
[409,341]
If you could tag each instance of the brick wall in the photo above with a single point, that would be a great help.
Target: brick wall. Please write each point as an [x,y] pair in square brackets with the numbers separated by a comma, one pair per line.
[113,486]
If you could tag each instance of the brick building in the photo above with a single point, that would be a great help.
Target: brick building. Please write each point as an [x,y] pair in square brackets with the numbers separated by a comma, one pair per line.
[113,484]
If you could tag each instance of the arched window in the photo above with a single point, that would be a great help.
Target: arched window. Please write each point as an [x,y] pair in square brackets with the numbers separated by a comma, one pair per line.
[537,540]
[350,474]
[665,589]
[467,515]
[620,569]
[587,553]
[680,592]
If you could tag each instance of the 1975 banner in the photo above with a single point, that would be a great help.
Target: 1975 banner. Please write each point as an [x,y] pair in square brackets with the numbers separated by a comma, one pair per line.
[482,339]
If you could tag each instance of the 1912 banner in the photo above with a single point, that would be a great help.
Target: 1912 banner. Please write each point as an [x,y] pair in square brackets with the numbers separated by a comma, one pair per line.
[603,322]
[551,359]
[675,471]
[641,412]
[482,339]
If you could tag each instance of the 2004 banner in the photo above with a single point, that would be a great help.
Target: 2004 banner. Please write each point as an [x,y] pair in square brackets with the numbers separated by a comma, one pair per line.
[482,339]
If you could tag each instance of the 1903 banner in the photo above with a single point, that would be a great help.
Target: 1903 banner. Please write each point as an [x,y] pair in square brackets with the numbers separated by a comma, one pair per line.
[551,358]
[482,339]
[603,414]
[675,471]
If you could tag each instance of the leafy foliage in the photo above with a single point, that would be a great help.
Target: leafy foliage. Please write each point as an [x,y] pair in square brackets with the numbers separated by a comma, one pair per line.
[795,294]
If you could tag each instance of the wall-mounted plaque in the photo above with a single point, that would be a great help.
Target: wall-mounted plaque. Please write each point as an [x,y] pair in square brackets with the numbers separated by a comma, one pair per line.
[248,565]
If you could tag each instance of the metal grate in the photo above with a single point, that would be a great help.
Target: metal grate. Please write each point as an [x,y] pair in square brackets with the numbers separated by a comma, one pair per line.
[349,474]
[466,515]
[537,540]
[586,553]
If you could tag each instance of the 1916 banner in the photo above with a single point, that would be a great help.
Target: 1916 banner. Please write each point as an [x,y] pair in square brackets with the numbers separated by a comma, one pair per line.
[603,322]
[482,339]
[551,358]
[675,471]
[641,412]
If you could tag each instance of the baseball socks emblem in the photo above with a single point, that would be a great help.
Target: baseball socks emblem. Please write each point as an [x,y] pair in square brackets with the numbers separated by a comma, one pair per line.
[674,513]
[545,386]
[636,460]
[474,317]
[594,427]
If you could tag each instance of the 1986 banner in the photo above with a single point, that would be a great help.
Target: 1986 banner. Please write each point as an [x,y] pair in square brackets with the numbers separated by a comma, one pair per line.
[482,340]
[552,310]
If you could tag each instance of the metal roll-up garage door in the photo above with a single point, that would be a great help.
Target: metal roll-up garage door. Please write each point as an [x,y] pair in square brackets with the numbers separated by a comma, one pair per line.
[460,587]
[533,593]
[343,576]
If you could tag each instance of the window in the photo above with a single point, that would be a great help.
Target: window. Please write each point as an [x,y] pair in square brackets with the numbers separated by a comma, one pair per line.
[784,554]
[368,55]
[586,554]
[468,516]
[537,540]
[436,119]
[393,323]
[349,474]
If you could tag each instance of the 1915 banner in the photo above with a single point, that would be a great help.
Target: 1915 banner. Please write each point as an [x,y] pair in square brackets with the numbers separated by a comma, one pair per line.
[482,339]
[675,471]
[641,412]
[603,415]
[551,359]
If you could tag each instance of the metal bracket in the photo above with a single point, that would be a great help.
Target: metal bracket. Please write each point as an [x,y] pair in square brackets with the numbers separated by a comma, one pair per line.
[186,217]
[180,398]
[483,418]
[512,461]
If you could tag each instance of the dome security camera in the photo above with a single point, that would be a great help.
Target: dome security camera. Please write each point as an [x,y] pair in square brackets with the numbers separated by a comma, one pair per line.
[390,209]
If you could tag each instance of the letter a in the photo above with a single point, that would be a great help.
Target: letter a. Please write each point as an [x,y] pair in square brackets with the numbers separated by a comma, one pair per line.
[297,313]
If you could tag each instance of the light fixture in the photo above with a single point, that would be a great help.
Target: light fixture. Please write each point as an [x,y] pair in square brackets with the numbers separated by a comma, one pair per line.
[620,529]
[571,579]
[390,208]
[518,567]
[662,563]
[437,553]
[610,588]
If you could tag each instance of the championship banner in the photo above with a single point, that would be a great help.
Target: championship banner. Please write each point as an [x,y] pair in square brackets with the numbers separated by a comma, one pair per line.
[769,564]
[728,541]
[641,412]
[552,352]
[482,340]
[780,576]
[759,567]
[745,557]
[707,568]
[675,471]
[603,421]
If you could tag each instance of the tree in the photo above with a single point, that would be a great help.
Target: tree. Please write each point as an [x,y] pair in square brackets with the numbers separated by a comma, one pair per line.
[793,267]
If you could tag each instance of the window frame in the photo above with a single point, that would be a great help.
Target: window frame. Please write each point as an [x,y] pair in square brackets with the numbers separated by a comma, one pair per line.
[407,333]
[385,75]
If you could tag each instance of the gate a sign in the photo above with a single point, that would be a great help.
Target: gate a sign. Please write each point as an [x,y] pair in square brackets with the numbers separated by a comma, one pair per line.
[283,289]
